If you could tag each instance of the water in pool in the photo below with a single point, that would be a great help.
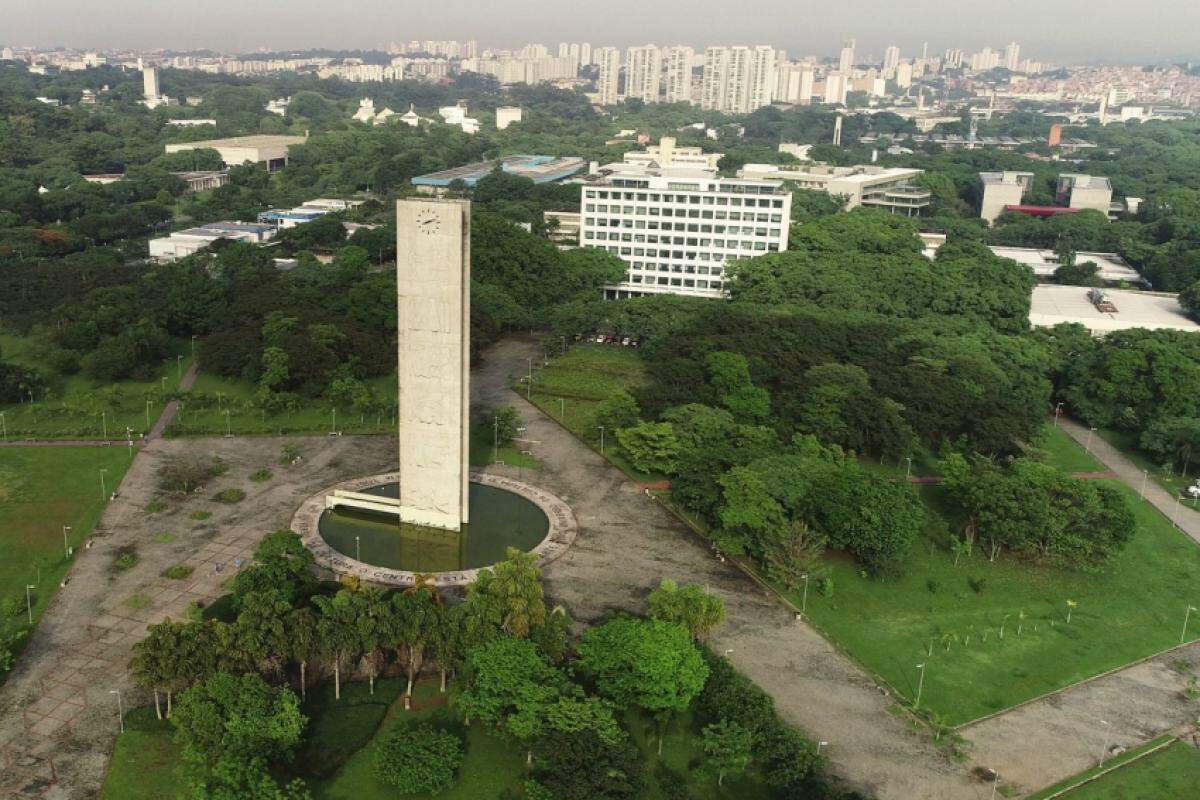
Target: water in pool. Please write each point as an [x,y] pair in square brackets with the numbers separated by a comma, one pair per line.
[499,520]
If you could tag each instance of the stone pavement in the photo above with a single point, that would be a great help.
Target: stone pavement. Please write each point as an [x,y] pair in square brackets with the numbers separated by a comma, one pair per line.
[58,717]
[1185,518]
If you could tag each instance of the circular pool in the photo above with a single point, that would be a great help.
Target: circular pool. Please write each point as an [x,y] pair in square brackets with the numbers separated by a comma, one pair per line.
[377,547]
[499,520]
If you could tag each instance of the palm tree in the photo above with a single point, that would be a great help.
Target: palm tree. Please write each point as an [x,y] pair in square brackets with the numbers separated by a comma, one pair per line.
[373,626]
[153,659]
[443,641]
[417,617]
[302,642]
[337,633]
[261,630]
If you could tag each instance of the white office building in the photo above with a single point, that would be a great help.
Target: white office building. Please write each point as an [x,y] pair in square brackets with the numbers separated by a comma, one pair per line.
[846,57]
[679,62]
[643,73]
[608,60]
[678,230]
[891,58]
[668,155]
[1012,56]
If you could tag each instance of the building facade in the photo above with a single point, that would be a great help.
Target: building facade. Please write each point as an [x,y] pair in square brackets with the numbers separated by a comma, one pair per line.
[643,73]
[608,61]
[678,230]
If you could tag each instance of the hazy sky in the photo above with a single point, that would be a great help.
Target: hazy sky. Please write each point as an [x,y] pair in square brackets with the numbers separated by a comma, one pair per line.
[1050,30]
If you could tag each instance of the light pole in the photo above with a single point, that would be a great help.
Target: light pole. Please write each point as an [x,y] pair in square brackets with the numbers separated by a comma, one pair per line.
[179,367]
[495,439]
[562,409]
[103,491]
[908,471]
[163,383]
[920,685]
[1187,613]
[67,547]
[1145,476]
[357,548]
[147,416]
[563,339]
[228,429]
[601,427]
[1057,413]
[1087,448]
[193,347]
[821,744]
[104,424]
[120,708]
[333,420]
[804,597]
[1107,732]
[529,386]
[29,602]
[1175,512]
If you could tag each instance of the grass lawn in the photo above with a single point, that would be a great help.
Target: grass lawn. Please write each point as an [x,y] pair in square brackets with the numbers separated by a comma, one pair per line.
[203,412]
[1065,453]
[1172,773]
[145,761]
[573,387]
[950,617]
[490,764]
[1168,479]
[41,490]
[78,407]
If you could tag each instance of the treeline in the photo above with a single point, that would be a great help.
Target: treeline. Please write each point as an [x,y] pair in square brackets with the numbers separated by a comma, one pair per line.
[516,668]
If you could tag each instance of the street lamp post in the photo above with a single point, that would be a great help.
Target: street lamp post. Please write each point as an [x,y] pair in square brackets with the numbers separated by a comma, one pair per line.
[120,708]
[179,368]
[163,383]
[193,347]
[67,547]
[908,471]
[920,685]
[804,597]
[228,428]
[821,744]
[529,385]
[358,548]
[1145,476]
[147,416]
[1187,613]
[104,424]
[1088,447]
[1107,732]
[601,427]
[562,409]
[29,602]
[1057,413]
[103,491]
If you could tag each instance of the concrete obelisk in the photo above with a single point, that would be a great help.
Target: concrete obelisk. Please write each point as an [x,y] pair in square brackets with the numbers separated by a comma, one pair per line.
[433,288]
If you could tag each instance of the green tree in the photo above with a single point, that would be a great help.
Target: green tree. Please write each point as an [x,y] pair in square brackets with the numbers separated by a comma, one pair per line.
[726,748]
[583,766]
[688,606]
[419,759]
[504,423]
[646,663]
[281,565]
[238,717]
[651,446]
[618,411]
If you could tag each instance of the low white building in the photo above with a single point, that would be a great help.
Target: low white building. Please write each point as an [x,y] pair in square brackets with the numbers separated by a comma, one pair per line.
[668,155]
[1084,191]
[678,230]
[193,240]
[507,115]
[307,212]
[891,188]
[1002,189]
[269,149]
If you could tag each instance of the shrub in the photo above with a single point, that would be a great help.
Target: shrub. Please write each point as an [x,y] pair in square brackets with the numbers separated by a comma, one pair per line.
[178,572]
[231,496]
[126,558]
[419,759]
[201,515]
[156,507]
[582,766]
[183,475]
[261,476]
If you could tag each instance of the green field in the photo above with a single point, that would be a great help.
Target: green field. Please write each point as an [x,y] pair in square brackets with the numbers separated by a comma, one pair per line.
[949,617]
[1172,773]
[573,387]
[203,412]
[338,755]
[79,407]
[41,490]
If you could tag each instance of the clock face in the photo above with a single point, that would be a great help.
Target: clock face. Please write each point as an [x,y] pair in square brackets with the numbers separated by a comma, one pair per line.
[428,223]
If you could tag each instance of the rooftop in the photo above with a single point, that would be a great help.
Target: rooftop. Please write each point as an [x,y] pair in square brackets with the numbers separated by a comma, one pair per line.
[256,140]
[1054,304]
[1044,262]
[539,169]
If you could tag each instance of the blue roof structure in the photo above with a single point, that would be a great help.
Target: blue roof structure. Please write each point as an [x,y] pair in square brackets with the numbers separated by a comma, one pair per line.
[539,169]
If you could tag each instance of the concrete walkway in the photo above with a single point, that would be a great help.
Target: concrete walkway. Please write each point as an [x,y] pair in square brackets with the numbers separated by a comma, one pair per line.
[628,543]
[1186,519]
